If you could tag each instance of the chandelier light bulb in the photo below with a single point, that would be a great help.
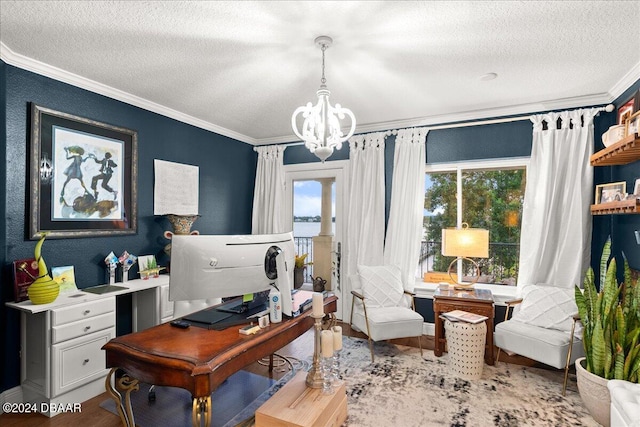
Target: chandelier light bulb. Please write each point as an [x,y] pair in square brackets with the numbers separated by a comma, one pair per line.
[321,129]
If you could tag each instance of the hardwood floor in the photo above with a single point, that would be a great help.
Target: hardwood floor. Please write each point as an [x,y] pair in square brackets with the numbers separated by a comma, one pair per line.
[93,415]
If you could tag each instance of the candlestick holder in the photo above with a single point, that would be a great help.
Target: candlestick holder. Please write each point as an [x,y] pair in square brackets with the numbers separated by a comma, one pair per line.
[327,383]
[336,381]
[315,378]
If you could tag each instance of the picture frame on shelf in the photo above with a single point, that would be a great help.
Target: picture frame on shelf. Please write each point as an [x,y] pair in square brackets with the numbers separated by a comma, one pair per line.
[83,177]
[632,124]
[636,188]
[612,192]
[626,110]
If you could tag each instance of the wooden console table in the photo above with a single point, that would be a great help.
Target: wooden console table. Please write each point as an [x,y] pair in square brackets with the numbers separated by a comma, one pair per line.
[195,359]
[478,301]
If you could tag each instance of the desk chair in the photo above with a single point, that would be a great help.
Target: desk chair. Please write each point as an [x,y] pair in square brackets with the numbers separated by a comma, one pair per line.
[543,327]
[381,307]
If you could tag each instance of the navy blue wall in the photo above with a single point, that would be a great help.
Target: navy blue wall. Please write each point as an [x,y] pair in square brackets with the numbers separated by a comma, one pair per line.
[480,142]
[227,175]
[620,227]
[6,292]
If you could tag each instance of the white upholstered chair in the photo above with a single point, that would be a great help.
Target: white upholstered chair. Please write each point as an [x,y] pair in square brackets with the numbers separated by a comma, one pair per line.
[381,307]
[544,327]
[625,403]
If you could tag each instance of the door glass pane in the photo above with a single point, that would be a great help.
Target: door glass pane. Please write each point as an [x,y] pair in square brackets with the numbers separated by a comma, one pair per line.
[307,211]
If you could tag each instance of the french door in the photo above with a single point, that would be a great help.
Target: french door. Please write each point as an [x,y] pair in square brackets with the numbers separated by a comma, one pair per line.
[336,170]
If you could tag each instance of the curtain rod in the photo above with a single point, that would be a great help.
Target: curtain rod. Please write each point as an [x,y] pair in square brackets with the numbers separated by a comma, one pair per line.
[608,108]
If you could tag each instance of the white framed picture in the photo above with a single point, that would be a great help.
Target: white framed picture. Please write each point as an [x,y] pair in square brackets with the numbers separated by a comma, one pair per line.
[636,188]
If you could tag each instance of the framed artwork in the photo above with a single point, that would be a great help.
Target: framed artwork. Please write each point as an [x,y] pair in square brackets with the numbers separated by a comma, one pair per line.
[632,122]
[636,188]
[83,176]
[627,109]
[613,192]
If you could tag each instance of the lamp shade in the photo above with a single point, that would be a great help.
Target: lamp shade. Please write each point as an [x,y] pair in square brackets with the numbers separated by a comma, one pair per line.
[465,242]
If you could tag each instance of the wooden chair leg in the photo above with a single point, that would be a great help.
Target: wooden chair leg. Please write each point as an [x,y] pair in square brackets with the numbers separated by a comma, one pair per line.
[498,356]
[420,344]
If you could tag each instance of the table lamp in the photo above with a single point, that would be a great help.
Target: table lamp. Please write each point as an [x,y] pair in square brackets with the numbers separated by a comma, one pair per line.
[464,243]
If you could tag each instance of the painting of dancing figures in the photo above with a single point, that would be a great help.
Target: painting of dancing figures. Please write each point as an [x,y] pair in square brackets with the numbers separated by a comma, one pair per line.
[88,176]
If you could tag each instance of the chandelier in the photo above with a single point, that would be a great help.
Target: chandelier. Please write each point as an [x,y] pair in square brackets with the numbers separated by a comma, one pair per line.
[321,130]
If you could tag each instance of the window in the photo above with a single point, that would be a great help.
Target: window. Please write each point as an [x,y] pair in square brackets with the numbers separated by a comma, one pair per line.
[491,195]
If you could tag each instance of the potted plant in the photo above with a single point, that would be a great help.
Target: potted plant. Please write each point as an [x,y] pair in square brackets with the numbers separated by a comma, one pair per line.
[298,270]
[611,334]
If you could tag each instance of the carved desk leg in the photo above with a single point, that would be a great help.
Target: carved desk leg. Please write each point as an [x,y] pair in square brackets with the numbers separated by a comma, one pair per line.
[127,385]
[201,407]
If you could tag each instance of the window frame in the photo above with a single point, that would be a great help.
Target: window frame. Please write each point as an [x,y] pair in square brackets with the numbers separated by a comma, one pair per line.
[469,165]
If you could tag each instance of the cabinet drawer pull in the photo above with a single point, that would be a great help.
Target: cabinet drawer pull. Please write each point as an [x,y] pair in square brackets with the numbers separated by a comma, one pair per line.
[86,328]
[87,312]
[85,361]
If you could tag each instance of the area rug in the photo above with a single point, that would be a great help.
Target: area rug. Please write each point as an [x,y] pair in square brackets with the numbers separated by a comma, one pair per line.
[404,389]
[233,403]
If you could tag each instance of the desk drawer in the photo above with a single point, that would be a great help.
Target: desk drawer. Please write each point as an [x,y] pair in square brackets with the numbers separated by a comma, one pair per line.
[79,361]
[85,310]
[82,327]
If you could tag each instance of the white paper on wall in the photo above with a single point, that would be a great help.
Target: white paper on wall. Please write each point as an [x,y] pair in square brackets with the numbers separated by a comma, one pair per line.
[176,188]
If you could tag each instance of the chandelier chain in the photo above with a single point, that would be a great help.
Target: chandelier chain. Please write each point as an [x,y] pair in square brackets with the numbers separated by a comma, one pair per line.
[323,80]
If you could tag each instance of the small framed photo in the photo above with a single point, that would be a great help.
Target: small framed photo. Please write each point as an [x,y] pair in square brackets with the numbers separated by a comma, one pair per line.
[636,188]
[632,124]
[65,277]
[613,192]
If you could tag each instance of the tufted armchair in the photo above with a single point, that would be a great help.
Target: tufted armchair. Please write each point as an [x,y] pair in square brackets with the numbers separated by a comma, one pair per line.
[543,327]
[381,307]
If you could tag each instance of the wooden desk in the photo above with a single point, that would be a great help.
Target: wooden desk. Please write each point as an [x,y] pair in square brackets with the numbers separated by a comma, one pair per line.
[478,301]
[195,359]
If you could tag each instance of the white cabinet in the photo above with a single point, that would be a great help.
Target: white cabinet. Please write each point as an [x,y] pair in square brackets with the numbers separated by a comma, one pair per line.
[166,306]
[63,361]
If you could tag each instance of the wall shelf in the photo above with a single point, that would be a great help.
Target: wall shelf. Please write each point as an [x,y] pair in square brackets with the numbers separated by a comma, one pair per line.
[624,207]
[623,152]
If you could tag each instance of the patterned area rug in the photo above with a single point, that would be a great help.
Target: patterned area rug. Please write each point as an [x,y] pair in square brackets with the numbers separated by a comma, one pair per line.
[403,389]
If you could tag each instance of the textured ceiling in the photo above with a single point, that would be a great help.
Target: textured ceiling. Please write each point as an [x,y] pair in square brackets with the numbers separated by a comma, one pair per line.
[241,68]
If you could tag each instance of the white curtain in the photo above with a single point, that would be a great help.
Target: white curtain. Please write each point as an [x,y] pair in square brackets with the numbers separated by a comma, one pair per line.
[404,231]
[364,233]
[268,193]
[555,242]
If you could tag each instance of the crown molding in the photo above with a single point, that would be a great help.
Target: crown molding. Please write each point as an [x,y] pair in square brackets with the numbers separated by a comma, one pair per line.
[29,64]
[625,82]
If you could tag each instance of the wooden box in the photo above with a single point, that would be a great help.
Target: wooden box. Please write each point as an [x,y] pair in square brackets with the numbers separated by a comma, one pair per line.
[296,405]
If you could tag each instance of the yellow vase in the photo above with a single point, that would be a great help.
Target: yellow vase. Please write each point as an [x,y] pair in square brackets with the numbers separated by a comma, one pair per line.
[44,289]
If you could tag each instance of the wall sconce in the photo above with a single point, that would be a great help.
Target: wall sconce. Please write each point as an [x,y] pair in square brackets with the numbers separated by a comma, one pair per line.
[464,243]
[46,169]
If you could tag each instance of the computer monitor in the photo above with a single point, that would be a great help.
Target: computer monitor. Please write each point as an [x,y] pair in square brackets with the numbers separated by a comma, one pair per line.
[218,266]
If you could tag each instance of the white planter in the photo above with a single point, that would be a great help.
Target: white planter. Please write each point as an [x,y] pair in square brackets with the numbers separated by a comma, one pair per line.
[594,393]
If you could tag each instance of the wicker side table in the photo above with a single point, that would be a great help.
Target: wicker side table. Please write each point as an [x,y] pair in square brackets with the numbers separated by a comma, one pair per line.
[466,342]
